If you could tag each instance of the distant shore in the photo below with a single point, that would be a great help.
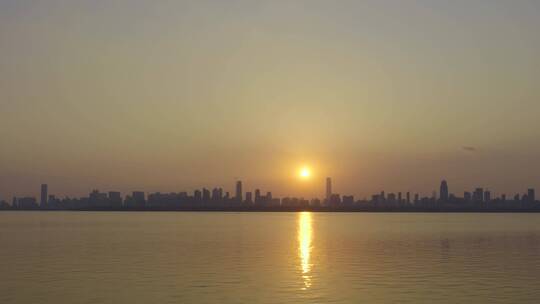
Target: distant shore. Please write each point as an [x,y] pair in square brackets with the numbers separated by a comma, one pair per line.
[336,210]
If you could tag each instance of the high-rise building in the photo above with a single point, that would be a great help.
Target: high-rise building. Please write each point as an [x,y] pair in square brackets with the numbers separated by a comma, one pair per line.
[478,195]
[205,195]
[328,189]
[197,195]
[444,191]
[239,191]
[249,197]
[44,196]
[215,194]
[115,199]
[27,203]
[348,200]
[114,195]
[335,200]
[257,196]
[531,195]
[138,198]
[487,196]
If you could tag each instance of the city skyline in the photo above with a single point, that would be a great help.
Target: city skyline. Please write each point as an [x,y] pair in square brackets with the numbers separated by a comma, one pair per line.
[440,189]
[218,198]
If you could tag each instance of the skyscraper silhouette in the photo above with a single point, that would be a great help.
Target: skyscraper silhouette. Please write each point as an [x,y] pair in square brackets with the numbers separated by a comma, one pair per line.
[205,195]
[138,198]
[44,196]
[531,195]
[257,196]
[478,195]
[197,195]
[249,197]
[444,191]
[487,196]
[239,191]
[328,189]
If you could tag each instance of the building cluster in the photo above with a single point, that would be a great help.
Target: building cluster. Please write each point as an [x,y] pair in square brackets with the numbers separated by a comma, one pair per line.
[218,199]
[479,199]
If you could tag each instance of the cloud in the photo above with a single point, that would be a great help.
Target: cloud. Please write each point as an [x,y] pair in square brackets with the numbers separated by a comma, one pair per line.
[469,148]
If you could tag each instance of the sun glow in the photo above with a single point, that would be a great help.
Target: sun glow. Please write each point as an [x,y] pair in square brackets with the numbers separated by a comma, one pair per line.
[304,173]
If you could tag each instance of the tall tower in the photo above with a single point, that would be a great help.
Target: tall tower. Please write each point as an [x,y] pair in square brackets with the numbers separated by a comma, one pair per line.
[328,189]
[444,191]
[487,196]
[239,191]
[257,196]
[478,195]
[531,195]
[44,196]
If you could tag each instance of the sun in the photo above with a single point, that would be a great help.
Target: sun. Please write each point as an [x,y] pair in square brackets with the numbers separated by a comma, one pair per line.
[304,173]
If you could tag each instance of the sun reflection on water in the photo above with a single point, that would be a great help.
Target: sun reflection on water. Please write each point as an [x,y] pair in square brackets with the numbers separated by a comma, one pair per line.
[305,236]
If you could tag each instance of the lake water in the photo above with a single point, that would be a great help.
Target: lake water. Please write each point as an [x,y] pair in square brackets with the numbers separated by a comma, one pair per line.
[199,257]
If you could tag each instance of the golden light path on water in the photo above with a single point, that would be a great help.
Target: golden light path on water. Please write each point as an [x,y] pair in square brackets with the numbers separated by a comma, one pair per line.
[305,236]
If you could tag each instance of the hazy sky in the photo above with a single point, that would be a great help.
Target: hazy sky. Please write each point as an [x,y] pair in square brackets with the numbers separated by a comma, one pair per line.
[175,95]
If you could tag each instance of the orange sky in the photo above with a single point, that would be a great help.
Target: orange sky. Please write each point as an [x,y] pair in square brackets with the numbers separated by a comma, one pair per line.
[170,96]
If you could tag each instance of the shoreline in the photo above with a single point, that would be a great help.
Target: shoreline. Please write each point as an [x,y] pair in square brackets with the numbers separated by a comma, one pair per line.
[322,210]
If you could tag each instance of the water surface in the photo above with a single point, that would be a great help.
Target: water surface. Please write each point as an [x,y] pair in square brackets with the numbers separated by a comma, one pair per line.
[219,257]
